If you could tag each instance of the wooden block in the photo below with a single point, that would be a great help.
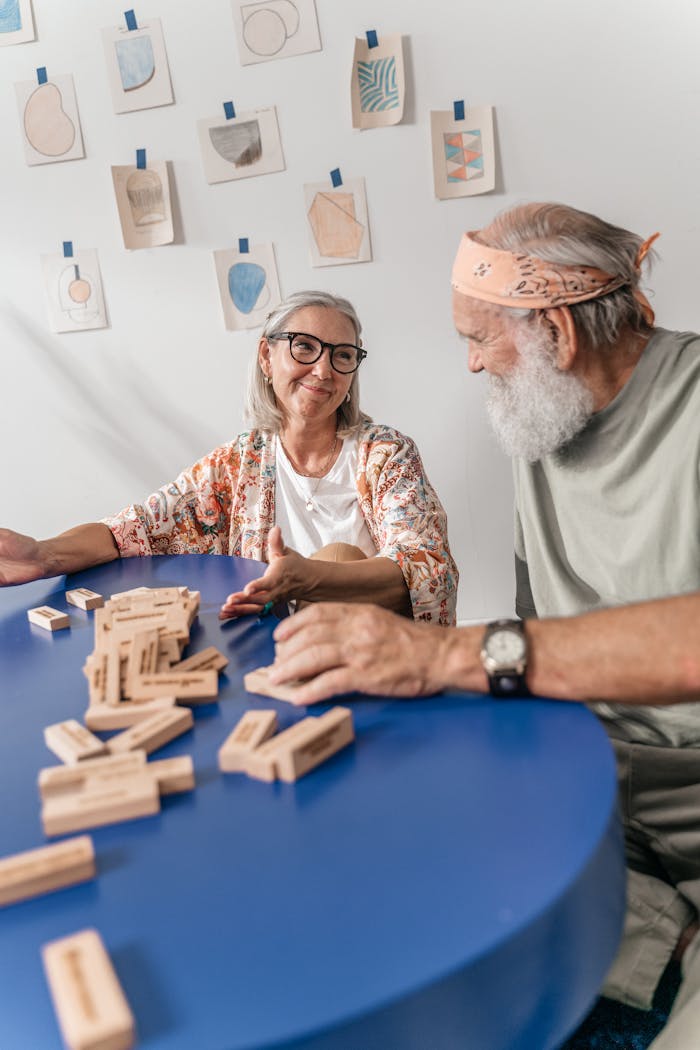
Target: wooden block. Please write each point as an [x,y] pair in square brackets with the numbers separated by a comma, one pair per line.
[261,762]
[329,733]
[143,657]
[90,1005]
[173,775]
[113,692]
[153,732]
[96,666]
[83,598]
[72,742]
[252,730]
[209,659]
[258,682]
[48,618]
[57,780]
[128,594]
[103,717]
[190,685]
[37,871]
[169,650]
[135,796]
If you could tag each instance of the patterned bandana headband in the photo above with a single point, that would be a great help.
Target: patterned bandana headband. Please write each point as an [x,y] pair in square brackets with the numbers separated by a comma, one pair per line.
[516,279]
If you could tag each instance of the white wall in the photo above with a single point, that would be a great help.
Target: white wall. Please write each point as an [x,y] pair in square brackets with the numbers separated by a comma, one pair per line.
[596,105]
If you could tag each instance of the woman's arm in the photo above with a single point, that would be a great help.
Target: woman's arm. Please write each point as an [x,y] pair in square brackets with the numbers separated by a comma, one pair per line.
[23,559]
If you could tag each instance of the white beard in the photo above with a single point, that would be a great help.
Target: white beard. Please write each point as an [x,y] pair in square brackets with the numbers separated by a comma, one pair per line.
[535,408]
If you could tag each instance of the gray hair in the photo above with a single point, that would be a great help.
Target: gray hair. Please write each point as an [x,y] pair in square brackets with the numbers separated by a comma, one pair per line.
[261,408]
[564,235]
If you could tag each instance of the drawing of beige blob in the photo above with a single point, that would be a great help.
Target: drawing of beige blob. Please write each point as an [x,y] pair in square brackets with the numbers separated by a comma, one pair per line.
[336,231]
[144,191]
[79,291]
[48,128]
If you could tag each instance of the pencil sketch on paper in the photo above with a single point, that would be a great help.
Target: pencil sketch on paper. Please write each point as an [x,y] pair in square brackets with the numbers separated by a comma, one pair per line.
[144,192]
[378,87]
[143,203]
[336,231]
[248,285]
[464,155]
[50,121]
[270,29]
[16,22]
[240,143]
[136,61]
[74,292]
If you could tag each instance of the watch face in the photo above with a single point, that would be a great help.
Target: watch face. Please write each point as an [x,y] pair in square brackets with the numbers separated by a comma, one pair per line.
[506,647]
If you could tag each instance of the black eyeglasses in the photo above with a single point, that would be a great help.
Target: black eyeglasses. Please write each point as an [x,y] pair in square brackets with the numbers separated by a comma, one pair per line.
[344,357]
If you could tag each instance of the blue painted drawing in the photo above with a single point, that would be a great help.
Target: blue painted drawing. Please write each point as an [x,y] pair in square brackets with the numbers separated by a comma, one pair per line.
[10,16]
[378,90]
[136,62]
[245,283]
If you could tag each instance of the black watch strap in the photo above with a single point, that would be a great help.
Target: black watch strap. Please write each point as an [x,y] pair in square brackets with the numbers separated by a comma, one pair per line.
[508,685]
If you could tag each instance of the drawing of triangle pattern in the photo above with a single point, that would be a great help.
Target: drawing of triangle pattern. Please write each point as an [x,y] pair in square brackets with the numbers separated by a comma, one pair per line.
[464,158]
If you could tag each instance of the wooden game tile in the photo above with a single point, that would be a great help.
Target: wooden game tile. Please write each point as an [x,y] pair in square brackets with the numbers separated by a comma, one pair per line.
[252,730]
[48,618]
[173,775]
[37,871]
[143,657]
[72,742]
[261,762]
[90,1005]
[209,659]
[328,734]
[103,717]
[153,732]
[57,780]
[258,682]
[189,685]
[135,796]
[83,598]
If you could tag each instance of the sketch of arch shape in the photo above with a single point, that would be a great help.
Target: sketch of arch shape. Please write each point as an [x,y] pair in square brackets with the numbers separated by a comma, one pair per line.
[378,89]
[10,16]
[269,26]
[48,128]
[75,295]
[136,61]
[248,287]
[144,191]
[240,144]
[336,231]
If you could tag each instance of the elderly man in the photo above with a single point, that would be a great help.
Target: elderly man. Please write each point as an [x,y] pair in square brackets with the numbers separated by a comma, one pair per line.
[600,411]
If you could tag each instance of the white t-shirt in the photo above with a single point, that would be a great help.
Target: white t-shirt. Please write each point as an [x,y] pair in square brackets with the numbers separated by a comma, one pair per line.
[313,512]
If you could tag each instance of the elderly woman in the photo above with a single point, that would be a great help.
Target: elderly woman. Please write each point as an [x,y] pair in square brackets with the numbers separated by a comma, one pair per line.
[312,472]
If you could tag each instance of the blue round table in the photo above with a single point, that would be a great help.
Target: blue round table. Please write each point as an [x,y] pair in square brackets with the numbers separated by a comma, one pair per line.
[452,881]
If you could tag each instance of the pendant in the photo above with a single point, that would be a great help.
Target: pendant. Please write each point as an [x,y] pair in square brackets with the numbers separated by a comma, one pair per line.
[309,504]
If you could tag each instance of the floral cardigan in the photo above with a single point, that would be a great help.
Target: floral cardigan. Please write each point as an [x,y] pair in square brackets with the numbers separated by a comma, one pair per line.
[225,504]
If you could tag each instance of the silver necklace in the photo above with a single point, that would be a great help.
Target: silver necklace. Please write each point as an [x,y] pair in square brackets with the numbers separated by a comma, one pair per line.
[309,497]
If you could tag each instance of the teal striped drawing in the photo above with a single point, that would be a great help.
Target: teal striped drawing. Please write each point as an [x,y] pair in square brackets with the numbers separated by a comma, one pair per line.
[378,90]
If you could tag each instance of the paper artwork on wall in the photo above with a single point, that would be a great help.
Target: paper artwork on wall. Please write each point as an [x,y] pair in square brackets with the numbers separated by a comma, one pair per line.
[143,202]
[463,152]
[137,66]
[270,29]
[338,223]
[16,22]
[248,285]
[247,144]
[378,85]
[49,119]
[74,292]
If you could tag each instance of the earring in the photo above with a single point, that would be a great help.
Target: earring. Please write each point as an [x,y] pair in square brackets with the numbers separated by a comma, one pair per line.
[347,397]
[268,380]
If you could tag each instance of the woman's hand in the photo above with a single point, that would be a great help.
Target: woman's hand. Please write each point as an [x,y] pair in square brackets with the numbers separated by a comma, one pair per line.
[288,575]
[21,559]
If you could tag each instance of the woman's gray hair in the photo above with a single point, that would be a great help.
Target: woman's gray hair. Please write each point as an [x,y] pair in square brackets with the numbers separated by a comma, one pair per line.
[564,235]
[261,405]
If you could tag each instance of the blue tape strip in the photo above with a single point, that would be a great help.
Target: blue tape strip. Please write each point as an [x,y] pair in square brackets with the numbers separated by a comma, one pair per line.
[229,110]
[67,249]
[372,38]
[335,177]
[41,75]
[130,20]
[140,158]
[458,107]
[243,245]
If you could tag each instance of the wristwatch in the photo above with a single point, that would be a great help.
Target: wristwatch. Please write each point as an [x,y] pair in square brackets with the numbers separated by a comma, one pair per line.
[504,657]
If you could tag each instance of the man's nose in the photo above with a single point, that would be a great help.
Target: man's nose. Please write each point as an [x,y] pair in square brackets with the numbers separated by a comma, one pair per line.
[475,362]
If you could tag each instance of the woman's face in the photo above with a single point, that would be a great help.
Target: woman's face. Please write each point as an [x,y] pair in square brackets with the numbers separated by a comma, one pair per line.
[308,393]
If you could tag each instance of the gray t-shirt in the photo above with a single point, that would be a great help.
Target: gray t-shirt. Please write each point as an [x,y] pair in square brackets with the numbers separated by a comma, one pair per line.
[615,516]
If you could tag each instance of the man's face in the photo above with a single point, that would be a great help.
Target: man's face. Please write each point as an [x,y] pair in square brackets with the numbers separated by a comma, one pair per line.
[534,407]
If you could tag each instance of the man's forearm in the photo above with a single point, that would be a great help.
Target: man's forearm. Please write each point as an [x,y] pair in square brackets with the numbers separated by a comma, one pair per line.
[78,548]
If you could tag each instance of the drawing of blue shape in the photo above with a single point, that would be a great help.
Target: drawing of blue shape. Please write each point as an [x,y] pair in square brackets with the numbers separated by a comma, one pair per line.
[245,283]
[378,90]
[136,62]
[10,17]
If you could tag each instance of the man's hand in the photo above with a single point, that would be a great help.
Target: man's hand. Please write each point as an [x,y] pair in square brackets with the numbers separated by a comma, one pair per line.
[358,648]
[20,558]
[288,575]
